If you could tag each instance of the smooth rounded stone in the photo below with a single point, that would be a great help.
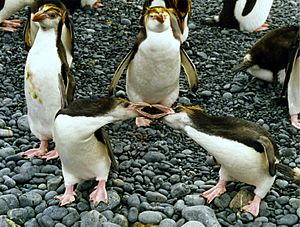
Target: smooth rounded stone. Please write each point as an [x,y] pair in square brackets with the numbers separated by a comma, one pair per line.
[289,219]
[23,124]
[45,221]
[281,183]
[261,219]
[206,93]
[222,201]
[203,214]
[18,215]
[298,212]
[92,219]
[108,214]
[109,224]
[148,173]
[118,182]
[175,178]
[120,220]
[49,169]
[4,171]
[30,199]
[193,224]
[125,21]
[246,217]
[179,205]
[54,183]
[113,201]
[179,190]
[55,212]
[155,197]
[32,223]
[294,202]
[41,207]
[7,151]
[60,225]
[167,223]
[10,183]
[133,214]
[235,88]
[154,156]
[133,200]
[227,95]
[50,195]
[184,101]
[150,217]
[282,200]
[202,55]
[71,218]
[8,202]
[194,200]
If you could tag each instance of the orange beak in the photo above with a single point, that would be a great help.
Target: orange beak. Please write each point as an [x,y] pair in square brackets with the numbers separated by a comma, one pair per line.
[160,17]
[38,16]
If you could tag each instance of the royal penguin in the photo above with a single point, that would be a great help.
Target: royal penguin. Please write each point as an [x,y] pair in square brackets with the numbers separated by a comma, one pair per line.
[182,9]
[67,33]
[155,61]
[268,60]
[244,15]
[84,148]
[7,9]
[245,151]
[49,85]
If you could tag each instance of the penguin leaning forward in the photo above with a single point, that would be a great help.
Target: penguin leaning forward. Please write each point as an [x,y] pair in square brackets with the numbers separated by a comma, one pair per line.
[244,15]
[154,62]
[84,148]
[67,34]
[49,84]
[7,9]
[269,59]
[245,151]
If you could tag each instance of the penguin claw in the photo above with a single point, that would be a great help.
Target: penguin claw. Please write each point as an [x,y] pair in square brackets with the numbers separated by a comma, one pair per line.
[215,191]
[99,194]
[253,207]
[51,155]
[142,121]
[68,197]
[10,25]
[97,5]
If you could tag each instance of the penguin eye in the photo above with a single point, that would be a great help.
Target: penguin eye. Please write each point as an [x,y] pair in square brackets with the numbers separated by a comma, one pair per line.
[52,15]
[151,16]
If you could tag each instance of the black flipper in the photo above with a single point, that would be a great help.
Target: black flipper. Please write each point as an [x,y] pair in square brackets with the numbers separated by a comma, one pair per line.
[248,7]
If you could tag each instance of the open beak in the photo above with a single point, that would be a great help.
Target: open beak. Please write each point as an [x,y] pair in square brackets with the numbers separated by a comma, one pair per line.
[39,16]
[138,107]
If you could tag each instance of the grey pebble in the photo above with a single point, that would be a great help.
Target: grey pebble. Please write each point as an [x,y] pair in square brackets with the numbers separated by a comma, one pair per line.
[289,219]
[206,93]
[113,201]
[194,200]
[6,151]
[110,224]
[179,190]
[193,224]
[8,202]
[71,218]
[150,217]
[125,21]
[23,124]
[227,95]
[31,223]
[202,214]
[167,222]
[9,182]
[133,200]
[45,221]
[92,219]
[281,183]
[155,197]
[120,220]
[154,156]
[179,205]
[55,212]
[18,215]
[222,201]
[133,214]
[54,183]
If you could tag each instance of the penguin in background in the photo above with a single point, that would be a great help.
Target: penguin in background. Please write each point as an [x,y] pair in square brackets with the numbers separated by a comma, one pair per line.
[7,9]
[154,62]
[245,151]
[84,148]
[49,84]
[268,60]
[72,5]
[67,34]
[244,15]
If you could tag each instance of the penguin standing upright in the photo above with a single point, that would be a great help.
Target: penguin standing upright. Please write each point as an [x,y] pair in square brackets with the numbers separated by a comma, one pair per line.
[245,15]
[246,151]
[7,9]
[49,85]
[154,62]
[268,59]
[84,148]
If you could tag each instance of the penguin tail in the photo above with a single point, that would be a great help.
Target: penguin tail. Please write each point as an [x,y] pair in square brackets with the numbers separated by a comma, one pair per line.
[290,173]
[242,66]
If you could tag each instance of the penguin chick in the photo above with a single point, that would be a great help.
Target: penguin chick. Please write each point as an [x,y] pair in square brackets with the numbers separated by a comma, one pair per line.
[246,151]
[67,33]
[49,85]
[84,148]
[245,15]
[154,61]
[268,59]
[7,9]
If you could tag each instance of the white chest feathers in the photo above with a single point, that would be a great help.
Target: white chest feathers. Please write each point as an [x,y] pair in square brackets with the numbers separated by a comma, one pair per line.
[256,18]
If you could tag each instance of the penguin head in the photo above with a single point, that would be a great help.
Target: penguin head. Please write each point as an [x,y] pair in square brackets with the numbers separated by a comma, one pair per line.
[157,19]
[182,117]
[49,16]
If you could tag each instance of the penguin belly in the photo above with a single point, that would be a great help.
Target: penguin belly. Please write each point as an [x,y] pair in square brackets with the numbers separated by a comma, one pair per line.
[83,157]
[153,74]
[42,92]
[240,162]
[294,89]
[256,18]
[265,74]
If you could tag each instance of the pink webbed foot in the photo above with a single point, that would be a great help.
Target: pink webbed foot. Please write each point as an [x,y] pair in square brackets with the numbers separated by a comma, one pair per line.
[68,197]
[53,154]
[253,207]
[97,4]
[215,191]
[37,152]
[264,27]
[99,194]
[142,121]
[10,25]
[295,122]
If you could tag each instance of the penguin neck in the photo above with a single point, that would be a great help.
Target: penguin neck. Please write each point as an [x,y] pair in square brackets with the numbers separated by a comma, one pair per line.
[46,37]
[161,39]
